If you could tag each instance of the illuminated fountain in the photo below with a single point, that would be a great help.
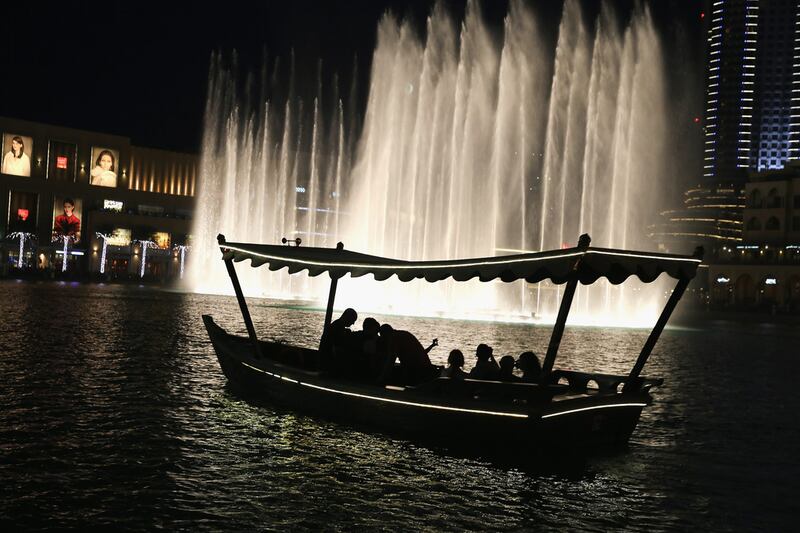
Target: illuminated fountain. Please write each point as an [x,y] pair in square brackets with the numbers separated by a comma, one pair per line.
[470,147]
[265,176]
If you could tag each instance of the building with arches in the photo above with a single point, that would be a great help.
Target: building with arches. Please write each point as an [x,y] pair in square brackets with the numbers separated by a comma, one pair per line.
[763,271]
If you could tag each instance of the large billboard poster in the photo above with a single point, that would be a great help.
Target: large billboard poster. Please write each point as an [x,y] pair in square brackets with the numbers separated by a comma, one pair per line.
[120,237]
[17,151]
[67,213]
[61,161]
[161,238]
[104,167]
[22,211]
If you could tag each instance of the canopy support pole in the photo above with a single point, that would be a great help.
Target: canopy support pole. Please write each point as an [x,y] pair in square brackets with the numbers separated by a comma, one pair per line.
[632,383]
[237,288]
[677,293]
[563,313]
[329,309]
[331,299]
[558,329]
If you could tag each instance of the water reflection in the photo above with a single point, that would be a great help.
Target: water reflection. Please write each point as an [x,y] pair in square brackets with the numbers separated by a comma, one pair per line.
[115,412]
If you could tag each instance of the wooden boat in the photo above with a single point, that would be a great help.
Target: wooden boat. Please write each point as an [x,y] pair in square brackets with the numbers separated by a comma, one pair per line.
[561,410]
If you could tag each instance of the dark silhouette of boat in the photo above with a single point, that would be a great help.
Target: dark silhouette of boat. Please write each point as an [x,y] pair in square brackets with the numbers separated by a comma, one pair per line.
[566,409]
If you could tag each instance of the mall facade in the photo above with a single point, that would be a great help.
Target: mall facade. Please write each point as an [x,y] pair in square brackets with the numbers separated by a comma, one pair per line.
[763,270]
[96,197]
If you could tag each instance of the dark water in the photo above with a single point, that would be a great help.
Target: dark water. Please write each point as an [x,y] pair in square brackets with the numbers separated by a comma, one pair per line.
[113,412]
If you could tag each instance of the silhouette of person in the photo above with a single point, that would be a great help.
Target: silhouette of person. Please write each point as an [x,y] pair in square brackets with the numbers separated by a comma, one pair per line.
[335,339]
[455,365]
[507,369]
[486,367]
[364,347]
[414,360]
[530,366]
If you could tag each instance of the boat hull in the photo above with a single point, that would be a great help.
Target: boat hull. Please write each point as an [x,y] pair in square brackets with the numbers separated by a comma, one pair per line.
[480,420]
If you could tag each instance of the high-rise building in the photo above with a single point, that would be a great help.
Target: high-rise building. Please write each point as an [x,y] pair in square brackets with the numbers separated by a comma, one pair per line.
[752,118]
[776,136]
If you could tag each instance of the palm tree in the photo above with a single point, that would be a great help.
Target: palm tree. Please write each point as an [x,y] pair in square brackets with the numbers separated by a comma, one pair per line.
[180,244]
[144,236]
[104,232]
[22,236]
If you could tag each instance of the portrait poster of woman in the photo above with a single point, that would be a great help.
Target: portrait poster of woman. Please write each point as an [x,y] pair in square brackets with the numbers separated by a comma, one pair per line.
[17,150]
[67,217]
[104,167]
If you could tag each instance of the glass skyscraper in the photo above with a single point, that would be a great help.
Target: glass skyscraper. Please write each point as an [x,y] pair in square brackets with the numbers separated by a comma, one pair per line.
[752,118]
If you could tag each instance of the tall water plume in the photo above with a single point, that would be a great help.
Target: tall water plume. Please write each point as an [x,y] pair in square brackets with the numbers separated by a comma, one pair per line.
[472,145]
[268,170]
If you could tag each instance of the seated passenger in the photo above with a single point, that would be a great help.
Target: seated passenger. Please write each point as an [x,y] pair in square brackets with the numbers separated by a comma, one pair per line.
[507,369]
[364,347]
[455,365]
[486,367]
[530,366]
[414,360]
[335,339]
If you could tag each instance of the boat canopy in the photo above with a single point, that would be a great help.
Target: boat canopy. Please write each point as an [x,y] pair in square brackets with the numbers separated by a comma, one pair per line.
[556,266]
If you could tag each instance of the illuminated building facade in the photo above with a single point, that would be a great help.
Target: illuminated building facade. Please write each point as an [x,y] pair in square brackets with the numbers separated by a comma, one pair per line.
[777,113]
[763,271]
[751,122]
[730,89]
[710,215]
[752,117]
[60,187]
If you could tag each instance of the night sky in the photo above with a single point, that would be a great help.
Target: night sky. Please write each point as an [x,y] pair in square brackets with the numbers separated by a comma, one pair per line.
[140,69]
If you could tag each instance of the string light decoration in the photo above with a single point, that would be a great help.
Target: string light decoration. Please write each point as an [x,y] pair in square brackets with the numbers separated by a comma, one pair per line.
[182,248]
[22,236]
[103,253]
[145,245]
[65,239]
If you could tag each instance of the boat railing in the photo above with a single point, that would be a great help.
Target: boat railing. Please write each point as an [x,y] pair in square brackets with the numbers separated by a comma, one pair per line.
[492,390]
[578,382]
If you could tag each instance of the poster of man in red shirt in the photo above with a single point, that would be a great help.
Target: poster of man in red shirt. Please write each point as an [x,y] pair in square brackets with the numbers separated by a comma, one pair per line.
[67,213]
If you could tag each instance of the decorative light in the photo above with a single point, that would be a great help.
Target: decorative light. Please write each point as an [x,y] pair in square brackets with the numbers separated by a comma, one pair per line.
[145,245]
[182,248]
[449,264]
[394,401]
[103,255]
[21,235]
[64,239]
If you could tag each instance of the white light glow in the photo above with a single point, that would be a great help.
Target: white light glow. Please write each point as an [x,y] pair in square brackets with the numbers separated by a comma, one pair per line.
[103,254]
[145,245]
[22,236]
[391,400]
[571,411]
[434,266]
